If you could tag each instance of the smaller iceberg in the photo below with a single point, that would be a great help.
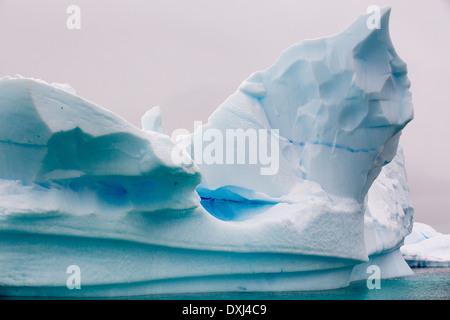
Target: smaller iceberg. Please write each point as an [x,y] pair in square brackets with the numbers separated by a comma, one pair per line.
[426,248]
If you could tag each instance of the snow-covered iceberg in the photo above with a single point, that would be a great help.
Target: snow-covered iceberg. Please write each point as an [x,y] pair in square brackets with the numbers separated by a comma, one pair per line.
[81,186]
[425,247]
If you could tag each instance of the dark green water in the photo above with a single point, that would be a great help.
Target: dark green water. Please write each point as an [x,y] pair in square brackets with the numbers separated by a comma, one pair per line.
[425,284]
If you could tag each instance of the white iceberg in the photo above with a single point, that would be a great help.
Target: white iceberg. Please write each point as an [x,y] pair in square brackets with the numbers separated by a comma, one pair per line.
[81,186]
[425,247]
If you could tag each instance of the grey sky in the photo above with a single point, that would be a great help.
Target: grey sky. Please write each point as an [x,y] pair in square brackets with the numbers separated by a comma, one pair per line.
[189,56]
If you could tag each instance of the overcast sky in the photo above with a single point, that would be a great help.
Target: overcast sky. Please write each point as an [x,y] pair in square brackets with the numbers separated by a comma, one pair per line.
[189,56]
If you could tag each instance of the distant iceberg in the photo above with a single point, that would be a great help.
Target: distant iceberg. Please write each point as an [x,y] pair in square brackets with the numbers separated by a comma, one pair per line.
[425,247]
[81,186]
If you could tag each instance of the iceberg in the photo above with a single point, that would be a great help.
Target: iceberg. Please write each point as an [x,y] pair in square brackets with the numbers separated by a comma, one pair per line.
[426,248]
[325,197]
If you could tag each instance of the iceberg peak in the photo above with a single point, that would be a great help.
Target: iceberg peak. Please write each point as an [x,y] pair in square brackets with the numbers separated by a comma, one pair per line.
[152,121]
[339,104]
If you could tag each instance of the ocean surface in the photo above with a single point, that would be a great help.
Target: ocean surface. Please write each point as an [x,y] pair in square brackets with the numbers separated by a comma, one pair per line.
[425,284]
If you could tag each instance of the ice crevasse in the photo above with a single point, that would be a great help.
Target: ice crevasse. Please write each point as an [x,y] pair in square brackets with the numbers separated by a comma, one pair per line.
[81,186]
